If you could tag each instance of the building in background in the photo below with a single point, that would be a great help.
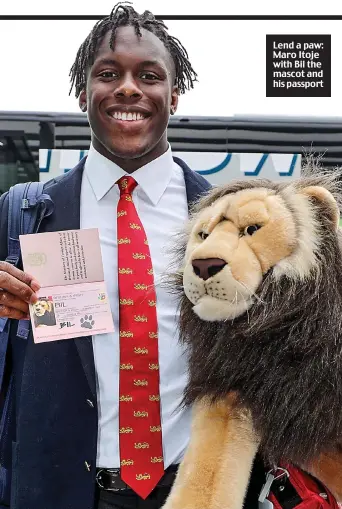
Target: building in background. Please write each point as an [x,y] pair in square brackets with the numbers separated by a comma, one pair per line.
[36,146]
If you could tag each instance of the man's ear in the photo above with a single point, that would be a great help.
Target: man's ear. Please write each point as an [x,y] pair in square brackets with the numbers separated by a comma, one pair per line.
[174,100]
[82,101]
[326,201]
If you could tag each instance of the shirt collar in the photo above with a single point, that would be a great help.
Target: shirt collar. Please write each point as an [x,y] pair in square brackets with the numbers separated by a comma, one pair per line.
[152,179]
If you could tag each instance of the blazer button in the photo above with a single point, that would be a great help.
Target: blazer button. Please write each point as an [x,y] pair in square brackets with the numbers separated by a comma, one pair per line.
[87,465]
[90,403]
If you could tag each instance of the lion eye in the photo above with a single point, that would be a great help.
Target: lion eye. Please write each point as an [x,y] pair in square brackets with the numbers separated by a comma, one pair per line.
[203,235]
[249,230]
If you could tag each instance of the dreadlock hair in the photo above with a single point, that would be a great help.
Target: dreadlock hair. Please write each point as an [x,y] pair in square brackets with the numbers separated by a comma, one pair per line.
[125,15]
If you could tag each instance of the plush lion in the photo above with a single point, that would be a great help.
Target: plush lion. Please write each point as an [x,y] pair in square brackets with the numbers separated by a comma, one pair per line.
[261,313]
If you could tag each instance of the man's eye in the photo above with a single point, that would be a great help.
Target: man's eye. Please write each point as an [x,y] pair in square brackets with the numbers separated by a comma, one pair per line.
[108,74]
[148,76]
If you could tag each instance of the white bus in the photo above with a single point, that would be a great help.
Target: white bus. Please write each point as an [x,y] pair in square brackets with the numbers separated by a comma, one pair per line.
[38,146]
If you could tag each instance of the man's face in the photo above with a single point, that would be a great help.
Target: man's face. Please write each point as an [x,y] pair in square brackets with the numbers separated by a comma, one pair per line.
[129,96]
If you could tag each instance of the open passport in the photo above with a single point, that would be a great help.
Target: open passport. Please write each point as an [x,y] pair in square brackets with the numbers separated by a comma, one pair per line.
[72,300]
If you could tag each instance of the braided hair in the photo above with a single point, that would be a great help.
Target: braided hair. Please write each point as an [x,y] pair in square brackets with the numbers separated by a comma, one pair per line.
[125,15]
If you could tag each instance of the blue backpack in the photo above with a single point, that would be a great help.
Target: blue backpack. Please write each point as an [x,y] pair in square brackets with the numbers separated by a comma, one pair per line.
[28,205]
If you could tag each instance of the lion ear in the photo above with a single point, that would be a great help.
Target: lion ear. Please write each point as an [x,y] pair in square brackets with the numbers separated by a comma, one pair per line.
[326,200]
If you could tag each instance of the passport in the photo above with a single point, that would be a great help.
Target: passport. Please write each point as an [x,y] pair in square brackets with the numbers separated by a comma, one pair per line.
[73,300]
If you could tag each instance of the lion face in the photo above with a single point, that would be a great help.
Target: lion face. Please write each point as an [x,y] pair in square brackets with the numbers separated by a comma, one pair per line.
[41,307]
[241,236]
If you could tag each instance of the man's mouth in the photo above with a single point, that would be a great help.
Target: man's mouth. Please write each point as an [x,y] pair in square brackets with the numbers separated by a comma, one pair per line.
[130,117]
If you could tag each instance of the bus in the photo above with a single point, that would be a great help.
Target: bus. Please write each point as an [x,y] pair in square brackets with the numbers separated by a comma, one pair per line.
[39,145]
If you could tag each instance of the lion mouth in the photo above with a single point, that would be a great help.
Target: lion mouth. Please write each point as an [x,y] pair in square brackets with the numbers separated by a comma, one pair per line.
[218,298]
[213,309]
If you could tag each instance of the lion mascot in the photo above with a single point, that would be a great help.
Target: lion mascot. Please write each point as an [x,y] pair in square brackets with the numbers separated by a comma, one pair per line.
[260,292]
[43,313]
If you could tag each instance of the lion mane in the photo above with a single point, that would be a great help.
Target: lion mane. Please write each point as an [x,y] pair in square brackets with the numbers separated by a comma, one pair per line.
[282,358]
[46,318]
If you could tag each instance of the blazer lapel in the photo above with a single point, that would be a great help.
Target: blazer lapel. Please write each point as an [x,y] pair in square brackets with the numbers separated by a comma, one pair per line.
[66,192]
[195,184]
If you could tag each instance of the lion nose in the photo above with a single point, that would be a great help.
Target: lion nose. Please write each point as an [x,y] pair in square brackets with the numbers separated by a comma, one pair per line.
[208,268]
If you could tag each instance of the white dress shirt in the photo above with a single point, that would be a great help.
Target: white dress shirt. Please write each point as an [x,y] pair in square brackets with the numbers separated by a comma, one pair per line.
[161,202]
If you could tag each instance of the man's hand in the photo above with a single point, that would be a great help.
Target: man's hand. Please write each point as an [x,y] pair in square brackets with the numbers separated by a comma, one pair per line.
[17,290]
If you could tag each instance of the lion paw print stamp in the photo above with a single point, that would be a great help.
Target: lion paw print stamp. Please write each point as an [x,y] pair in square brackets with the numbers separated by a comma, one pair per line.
[87,322]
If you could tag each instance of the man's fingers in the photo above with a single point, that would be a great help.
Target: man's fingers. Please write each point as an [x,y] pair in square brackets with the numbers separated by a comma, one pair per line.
[10,301]
[17,283]
[19,274]
[15,287]
[7,312]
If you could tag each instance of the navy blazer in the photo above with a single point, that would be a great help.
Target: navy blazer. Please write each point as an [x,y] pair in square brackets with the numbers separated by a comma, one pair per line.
[55,437]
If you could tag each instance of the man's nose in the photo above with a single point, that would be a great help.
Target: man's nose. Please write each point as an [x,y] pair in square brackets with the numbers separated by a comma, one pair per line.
[208,267]
[128,88]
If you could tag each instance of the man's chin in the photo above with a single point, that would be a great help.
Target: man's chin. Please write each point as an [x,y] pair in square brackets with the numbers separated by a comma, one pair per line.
[123,149]
[129,151]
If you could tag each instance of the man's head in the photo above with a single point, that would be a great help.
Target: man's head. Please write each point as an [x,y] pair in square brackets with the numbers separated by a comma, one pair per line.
[128,74]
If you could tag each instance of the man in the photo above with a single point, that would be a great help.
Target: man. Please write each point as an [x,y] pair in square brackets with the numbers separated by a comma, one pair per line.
[78,444]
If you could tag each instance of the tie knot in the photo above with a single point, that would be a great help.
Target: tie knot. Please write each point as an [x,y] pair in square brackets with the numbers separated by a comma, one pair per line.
[126,185]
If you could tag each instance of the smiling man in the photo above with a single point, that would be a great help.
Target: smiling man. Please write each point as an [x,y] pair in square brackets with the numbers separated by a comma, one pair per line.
[97,419]
[129,94]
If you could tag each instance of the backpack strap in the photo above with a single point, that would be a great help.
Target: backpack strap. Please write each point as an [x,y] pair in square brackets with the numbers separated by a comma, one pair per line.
[294,488]
[28,205]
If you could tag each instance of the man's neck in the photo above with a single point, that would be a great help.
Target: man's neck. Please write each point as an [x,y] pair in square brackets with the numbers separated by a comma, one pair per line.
[131,165]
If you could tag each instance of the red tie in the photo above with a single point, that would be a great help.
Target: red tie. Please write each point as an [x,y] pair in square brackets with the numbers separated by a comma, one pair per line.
[141,450]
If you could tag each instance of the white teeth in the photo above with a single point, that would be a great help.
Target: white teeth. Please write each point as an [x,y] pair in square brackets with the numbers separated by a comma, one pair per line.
[127,116]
